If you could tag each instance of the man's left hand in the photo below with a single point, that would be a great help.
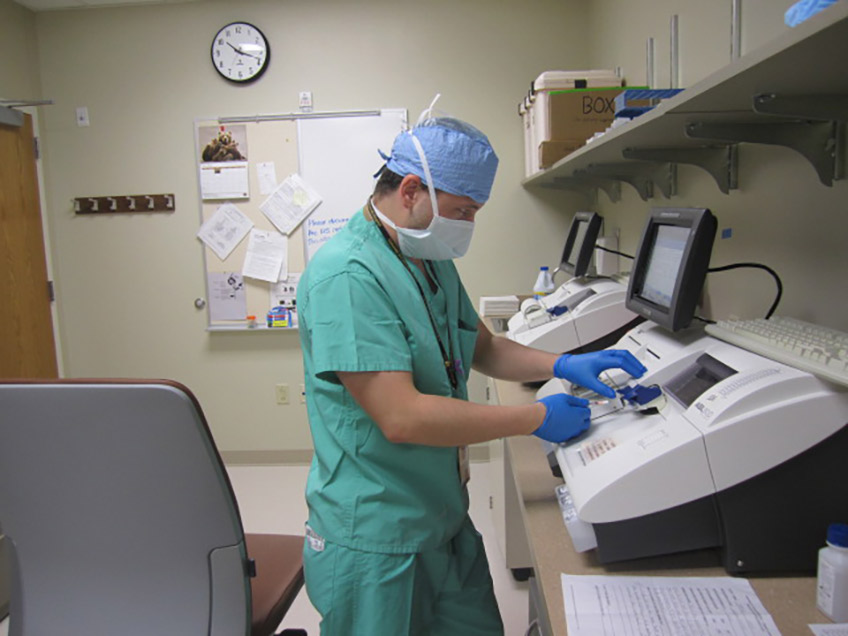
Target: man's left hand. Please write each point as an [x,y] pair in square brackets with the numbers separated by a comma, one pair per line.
[584,368]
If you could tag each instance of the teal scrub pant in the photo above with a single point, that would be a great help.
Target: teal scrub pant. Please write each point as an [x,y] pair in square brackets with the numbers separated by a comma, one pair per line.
[445,591]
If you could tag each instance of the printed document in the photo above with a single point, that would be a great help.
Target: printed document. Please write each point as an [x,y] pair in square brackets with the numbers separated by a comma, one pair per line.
[267,256]
[835,629]
[224,230]
[663,606]
[267,175]
[227,299]
[290,203]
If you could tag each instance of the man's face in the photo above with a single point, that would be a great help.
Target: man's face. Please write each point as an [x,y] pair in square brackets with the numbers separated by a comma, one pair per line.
[451,206]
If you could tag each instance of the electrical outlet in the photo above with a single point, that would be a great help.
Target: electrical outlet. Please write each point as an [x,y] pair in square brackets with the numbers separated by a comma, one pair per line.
[303,394]
[282,394]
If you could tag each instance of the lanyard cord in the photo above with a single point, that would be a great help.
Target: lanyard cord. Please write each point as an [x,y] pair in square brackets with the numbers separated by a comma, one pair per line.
[450,369]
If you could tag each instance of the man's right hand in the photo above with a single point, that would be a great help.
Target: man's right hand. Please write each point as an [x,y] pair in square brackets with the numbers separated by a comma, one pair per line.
[566,416]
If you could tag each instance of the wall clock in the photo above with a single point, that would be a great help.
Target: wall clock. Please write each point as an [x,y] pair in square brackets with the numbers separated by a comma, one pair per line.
[240,52]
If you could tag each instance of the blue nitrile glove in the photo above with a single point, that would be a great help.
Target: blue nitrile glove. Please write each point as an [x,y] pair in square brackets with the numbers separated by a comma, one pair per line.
[566,416]
[584,368]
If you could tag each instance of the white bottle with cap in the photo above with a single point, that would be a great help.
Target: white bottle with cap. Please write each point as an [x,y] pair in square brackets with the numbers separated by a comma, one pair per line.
[832,584]
[544,283]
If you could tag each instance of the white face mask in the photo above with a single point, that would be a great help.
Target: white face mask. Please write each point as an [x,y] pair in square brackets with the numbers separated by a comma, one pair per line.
[443,240]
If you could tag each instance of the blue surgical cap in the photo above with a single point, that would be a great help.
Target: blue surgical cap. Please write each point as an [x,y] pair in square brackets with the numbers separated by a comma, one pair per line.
[460,157]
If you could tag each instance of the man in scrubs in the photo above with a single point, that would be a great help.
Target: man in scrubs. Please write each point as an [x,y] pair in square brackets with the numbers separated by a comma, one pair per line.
[389,337]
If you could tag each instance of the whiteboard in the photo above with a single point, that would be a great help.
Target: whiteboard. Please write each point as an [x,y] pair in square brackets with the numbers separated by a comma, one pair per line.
[337,156]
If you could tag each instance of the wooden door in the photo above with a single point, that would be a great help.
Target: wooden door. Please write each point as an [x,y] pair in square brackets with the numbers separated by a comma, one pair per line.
[27,348]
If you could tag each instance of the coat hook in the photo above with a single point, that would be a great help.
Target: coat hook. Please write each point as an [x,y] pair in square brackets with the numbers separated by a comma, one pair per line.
[94,204]
[131,202]
[149,201]
[169,201]
[77,207]
[113,204]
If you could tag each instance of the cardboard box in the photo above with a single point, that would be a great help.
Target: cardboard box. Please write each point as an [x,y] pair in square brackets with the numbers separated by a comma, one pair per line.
[561,80]
[552,151]
[577,114]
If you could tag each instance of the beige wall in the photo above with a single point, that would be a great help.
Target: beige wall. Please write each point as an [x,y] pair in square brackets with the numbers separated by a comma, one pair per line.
[19,77]
[126,285]
[780,215]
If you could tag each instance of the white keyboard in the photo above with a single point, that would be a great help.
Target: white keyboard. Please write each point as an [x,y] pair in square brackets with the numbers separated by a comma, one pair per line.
[817,350]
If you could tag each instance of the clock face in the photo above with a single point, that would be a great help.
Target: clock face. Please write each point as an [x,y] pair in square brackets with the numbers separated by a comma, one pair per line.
[240,52]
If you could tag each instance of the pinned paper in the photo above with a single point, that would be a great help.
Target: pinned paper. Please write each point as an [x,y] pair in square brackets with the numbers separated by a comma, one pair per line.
[267,174]
[227,299]
[290,203]
[267,256]
[224,230]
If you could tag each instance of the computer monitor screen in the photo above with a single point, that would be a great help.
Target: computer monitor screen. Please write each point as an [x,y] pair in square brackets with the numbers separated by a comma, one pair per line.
[664,263]
[580,243]
[670,265]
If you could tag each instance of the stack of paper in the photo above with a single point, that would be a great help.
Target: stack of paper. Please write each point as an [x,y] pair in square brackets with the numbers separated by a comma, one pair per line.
[498,305]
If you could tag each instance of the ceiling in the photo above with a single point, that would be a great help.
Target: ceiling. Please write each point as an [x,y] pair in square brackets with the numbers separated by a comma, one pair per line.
[51,5]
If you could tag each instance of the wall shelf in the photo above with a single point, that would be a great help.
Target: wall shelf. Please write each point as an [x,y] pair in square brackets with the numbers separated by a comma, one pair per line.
[792,91]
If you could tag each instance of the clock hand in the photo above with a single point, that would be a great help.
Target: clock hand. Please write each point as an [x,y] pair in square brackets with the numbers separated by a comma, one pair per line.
[240,52]
[255,57]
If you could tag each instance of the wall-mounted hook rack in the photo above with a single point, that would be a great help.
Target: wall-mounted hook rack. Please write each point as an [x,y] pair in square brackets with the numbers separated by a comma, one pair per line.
[117,204]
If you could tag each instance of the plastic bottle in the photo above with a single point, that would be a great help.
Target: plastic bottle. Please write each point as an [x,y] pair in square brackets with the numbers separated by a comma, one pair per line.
[832,584]
[544,283]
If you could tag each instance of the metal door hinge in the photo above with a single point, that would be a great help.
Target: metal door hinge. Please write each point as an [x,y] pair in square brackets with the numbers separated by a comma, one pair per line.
[36,147]
[51,292]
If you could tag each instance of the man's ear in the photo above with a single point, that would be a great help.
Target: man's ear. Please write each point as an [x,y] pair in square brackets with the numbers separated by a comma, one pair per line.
[410,185]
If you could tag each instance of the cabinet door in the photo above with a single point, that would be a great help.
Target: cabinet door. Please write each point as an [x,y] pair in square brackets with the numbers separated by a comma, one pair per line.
[504,504]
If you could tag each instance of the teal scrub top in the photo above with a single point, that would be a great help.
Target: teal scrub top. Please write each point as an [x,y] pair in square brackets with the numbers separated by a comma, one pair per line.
[359,310]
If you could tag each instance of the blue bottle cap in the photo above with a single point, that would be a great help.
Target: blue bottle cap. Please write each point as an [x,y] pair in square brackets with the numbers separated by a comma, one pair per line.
[837,534]
[544,267]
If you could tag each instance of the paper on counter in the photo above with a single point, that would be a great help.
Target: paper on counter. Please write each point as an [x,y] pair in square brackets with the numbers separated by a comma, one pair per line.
[224,230]
[663,606]
[290,203]
[834,629]
[267,256]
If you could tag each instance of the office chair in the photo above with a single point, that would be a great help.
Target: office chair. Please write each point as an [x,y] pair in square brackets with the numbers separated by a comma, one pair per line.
[120,517]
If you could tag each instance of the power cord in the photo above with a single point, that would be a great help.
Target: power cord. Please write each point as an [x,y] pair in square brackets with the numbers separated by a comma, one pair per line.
[606,249]
[766,268]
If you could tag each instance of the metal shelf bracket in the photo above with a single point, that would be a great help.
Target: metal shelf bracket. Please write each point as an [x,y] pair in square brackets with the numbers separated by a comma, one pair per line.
[816,141]
[820,107]
[719,161]
[643,176]
[585,183]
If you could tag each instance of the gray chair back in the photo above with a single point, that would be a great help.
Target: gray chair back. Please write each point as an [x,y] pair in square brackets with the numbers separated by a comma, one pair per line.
[117,511]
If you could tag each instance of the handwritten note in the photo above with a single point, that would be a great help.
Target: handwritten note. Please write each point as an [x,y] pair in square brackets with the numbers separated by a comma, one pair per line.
[319,231]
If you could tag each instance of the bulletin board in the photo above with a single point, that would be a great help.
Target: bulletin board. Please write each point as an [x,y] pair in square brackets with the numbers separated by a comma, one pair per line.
[245,161]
